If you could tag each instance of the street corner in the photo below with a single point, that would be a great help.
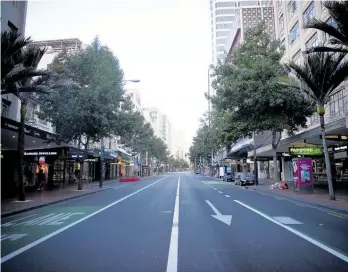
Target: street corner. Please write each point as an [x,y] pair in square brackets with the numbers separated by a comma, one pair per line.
[24,229]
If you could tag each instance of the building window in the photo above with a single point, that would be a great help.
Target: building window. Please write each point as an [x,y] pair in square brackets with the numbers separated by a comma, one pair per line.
[12,26]
[309,14]
[297,57]
[336,104]
[332,22]
[225,5]
[281,24]
[222,33]
[294,33]
[312,42]
[225,19]
[221,41]
[224,11]
[292,7]
[224,26]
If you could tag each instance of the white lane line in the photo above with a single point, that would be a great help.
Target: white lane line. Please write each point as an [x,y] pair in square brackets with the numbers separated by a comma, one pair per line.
[309,239]
[227,196]
[215,189]
[172,264]
[220,192]
[39,241]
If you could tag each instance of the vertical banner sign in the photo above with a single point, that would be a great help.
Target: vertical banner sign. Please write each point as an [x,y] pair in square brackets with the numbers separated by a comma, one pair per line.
[295,168]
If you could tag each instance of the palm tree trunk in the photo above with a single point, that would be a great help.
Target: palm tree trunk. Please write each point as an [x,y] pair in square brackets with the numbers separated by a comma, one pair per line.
[20,151]
[327,158]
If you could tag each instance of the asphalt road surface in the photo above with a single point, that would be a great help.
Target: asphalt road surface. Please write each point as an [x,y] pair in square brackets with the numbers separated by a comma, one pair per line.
[179,222]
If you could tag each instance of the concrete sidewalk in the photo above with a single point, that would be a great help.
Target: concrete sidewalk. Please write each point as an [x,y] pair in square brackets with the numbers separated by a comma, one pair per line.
[39,199]
[319,197]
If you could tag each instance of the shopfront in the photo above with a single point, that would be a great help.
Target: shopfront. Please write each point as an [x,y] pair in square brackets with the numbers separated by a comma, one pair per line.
[49,161]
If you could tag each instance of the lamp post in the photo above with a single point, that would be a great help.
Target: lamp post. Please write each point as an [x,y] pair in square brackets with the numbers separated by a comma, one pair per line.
[210,132]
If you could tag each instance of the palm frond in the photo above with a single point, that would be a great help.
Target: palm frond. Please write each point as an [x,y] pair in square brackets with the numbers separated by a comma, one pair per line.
[338,11]
[20,72]
[318,49]
[321,73]
[326,28]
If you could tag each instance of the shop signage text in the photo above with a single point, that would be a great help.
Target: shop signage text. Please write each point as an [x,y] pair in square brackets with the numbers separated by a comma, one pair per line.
[43,153]
[306,151]
[336,137]
[28,130]
[338,148]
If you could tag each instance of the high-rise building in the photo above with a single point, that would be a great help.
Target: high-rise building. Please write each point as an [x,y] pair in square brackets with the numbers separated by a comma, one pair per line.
[161,125]
[222,16]
[248,17]
[13,16]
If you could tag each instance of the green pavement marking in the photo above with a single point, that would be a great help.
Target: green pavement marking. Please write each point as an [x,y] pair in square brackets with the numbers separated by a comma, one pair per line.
[19,231]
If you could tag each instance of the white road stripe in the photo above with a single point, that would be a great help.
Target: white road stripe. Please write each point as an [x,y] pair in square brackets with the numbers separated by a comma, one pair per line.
[29,246]
[227,196]
[220,192]
[172,264]
[309,239]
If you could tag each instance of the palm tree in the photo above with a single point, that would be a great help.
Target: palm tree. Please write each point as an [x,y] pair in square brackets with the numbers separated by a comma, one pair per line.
[321,74]
[18,56]
[338,40]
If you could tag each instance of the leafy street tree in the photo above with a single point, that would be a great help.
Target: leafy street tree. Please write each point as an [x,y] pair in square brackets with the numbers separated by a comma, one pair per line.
[247,87]
[321,74]
[91,112]
[337,32]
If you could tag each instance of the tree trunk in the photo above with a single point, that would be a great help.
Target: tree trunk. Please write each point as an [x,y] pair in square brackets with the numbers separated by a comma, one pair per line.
[327,158]
[102,163]
[79,182]
[83,163]
[20,151]
[255,162]
[275,143]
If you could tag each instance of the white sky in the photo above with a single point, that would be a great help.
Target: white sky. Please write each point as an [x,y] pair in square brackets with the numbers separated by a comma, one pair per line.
[164,43]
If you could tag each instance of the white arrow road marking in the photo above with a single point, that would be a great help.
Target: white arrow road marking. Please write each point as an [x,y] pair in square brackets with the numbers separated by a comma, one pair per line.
[223,218]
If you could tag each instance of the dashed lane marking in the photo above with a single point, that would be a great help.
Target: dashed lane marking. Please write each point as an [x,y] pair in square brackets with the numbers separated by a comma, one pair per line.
[337,215]
[227,196]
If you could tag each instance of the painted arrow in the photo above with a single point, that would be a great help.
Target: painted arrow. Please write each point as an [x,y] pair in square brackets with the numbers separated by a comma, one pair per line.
[227,219]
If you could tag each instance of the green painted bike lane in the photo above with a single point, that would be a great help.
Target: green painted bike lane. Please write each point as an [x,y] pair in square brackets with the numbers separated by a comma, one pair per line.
[21,230]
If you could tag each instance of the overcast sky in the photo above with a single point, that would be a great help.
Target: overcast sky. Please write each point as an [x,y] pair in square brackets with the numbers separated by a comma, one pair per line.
[164,43]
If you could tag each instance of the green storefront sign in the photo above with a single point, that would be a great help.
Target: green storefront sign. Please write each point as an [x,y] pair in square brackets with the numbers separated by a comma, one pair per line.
[306,151]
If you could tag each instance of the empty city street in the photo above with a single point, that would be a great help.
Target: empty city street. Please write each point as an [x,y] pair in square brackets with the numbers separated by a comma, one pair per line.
[178,222]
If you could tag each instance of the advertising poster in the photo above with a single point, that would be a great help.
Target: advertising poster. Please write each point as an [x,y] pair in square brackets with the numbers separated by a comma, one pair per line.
[306,175]
[302,172]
